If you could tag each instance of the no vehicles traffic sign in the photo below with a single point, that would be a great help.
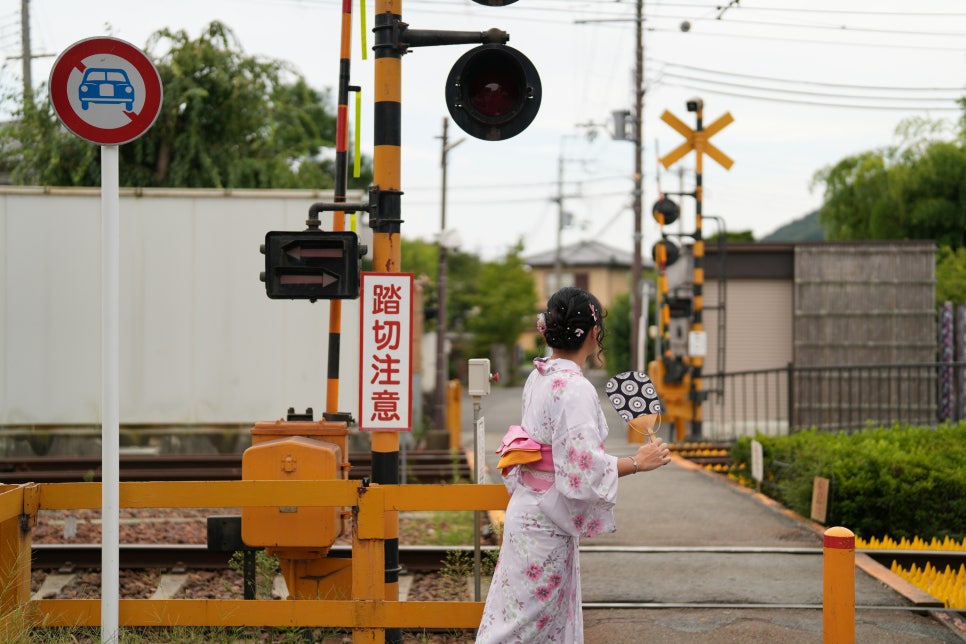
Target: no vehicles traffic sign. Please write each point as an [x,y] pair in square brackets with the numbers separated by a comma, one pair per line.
[105,90]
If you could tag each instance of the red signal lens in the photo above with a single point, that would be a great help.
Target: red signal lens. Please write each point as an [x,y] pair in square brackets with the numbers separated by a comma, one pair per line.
[493,92]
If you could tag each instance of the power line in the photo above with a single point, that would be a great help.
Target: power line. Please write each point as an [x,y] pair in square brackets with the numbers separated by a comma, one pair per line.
[810,41]
[857,12]
[805,92]
[510,199]
[530,185]
[775,99]
[839,28]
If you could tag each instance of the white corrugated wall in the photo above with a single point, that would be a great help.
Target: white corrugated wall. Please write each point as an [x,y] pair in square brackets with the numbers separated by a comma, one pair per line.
[200,341]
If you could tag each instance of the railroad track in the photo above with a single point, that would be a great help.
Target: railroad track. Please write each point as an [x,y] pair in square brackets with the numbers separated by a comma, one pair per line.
[72,557]
[421,466]
[415,558]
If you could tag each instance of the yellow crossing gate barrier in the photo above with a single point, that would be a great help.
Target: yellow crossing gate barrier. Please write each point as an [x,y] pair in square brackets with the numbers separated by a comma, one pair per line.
[366,611]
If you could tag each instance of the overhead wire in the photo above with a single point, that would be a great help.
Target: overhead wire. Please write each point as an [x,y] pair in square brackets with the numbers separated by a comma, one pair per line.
[877,13]
[802,92]
[719,72]
[776,99]
[735,25]
[891,45]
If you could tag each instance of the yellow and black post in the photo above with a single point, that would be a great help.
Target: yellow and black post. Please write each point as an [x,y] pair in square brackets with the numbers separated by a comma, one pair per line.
[493,93]
[386,241]
[338,217]
[697,307]
[697,140]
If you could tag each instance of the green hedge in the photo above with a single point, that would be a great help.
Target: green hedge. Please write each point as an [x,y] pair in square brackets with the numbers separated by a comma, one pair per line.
[900,481]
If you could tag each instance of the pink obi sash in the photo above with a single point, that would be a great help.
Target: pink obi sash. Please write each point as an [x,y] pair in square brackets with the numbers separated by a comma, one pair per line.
[517,448]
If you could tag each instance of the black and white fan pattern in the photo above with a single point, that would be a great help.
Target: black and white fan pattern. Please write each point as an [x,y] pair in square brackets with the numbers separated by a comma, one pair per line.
[633,394]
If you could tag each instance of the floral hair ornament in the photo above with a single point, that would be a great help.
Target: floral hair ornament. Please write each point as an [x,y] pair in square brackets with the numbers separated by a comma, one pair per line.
[593,313]
[541,323]
[634,397]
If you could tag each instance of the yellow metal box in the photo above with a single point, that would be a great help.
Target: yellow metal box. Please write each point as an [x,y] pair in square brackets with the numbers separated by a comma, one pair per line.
[292,458]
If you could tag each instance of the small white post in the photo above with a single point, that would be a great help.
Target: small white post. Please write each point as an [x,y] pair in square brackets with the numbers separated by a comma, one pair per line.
[479,377]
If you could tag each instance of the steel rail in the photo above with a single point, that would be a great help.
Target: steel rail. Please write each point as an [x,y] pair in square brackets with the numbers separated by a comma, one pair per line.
[430,466]
[617,605]
[55,556]
[426,557]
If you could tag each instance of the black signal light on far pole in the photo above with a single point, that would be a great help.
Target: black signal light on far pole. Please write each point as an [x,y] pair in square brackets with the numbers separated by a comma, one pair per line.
[665,211]
[493,92]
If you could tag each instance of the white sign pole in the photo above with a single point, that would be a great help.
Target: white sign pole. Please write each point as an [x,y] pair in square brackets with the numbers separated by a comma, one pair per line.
[108,114]
[110,398]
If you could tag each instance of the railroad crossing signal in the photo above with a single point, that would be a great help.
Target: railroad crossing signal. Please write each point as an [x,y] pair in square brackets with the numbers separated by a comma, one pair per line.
[311,265]
[697,140]
[493,92]
[665,211]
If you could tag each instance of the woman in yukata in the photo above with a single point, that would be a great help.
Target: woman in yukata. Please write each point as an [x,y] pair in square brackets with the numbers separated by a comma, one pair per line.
[562,483]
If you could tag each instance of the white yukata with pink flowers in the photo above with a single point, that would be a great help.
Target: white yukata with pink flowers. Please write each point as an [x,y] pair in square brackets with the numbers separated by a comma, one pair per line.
[535,592]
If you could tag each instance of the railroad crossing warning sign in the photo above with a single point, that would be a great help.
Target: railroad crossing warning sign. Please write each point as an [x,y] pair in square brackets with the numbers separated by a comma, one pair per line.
[105,90]
[697,140]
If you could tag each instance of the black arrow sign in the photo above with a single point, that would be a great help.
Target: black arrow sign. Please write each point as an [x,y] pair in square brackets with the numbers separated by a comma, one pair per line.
[311,265]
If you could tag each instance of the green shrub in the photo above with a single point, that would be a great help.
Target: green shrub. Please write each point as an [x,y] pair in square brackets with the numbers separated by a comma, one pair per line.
[900,481]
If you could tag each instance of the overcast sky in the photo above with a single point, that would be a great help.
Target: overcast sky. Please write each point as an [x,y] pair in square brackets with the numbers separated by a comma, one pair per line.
[808,82]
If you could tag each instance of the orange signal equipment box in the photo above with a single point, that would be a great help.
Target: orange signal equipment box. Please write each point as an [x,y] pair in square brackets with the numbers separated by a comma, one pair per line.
[295,451]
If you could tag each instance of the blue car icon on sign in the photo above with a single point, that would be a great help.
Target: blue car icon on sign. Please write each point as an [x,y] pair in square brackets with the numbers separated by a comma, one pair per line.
[105,85]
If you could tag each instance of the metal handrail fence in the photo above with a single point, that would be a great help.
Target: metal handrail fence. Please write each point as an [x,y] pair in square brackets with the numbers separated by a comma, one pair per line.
[834,398]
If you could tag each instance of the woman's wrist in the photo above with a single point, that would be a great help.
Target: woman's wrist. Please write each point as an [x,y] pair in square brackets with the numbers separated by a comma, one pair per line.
[634,465]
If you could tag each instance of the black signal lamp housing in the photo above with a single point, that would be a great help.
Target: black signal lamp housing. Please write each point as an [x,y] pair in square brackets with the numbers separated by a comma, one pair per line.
[665,211]
[493,92]
[665,252]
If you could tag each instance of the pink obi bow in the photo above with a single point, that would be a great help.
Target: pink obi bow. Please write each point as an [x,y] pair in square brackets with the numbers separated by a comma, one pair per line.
[518,448]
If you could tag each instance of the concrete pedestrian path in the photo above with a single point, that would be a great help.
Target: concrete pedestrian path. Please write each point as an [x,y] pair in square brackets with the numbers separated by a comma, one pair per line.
[697,558]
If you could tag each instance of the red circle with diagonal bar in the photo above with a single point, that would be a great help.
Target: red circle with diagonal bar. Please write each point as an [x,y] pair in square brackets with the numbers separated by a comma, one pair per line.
[105,90]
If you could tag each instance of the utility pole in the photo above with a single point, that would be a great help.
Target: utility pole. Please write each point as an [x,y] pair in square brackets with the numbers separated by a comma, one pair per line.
[564,218]
[557,258]
[25,50]
[441,360]
[637,264]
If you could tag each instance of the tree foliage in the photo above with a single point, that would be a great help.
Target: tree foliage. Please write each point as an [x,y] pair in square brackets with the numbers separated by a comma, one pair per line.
[228,120]
[732,236]
[617,342]
[488,304]
[951,275]
[422,259]
[504,305]
[916,190]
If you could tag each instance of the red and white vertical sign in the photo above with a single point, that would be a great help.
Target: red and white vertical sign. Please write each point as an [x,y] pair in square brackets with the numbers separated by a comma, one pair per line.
[386,361]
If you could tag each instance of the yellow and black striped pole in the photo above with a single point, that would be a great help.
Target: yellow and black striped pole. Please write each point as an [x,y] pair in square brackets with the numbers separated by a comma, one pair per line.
[697,140]
[697,317]
[386,241]
[661,263]
[338,217]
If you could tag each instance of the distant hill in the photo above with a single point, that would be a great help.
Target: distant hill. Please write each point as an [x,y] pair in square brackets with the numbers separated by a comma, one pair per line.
[805,229]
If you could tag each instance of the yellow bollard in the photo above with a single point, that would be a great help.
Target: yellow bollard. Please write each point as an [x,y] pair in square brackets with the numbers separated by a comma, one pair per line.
[838,605]
[454,392]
